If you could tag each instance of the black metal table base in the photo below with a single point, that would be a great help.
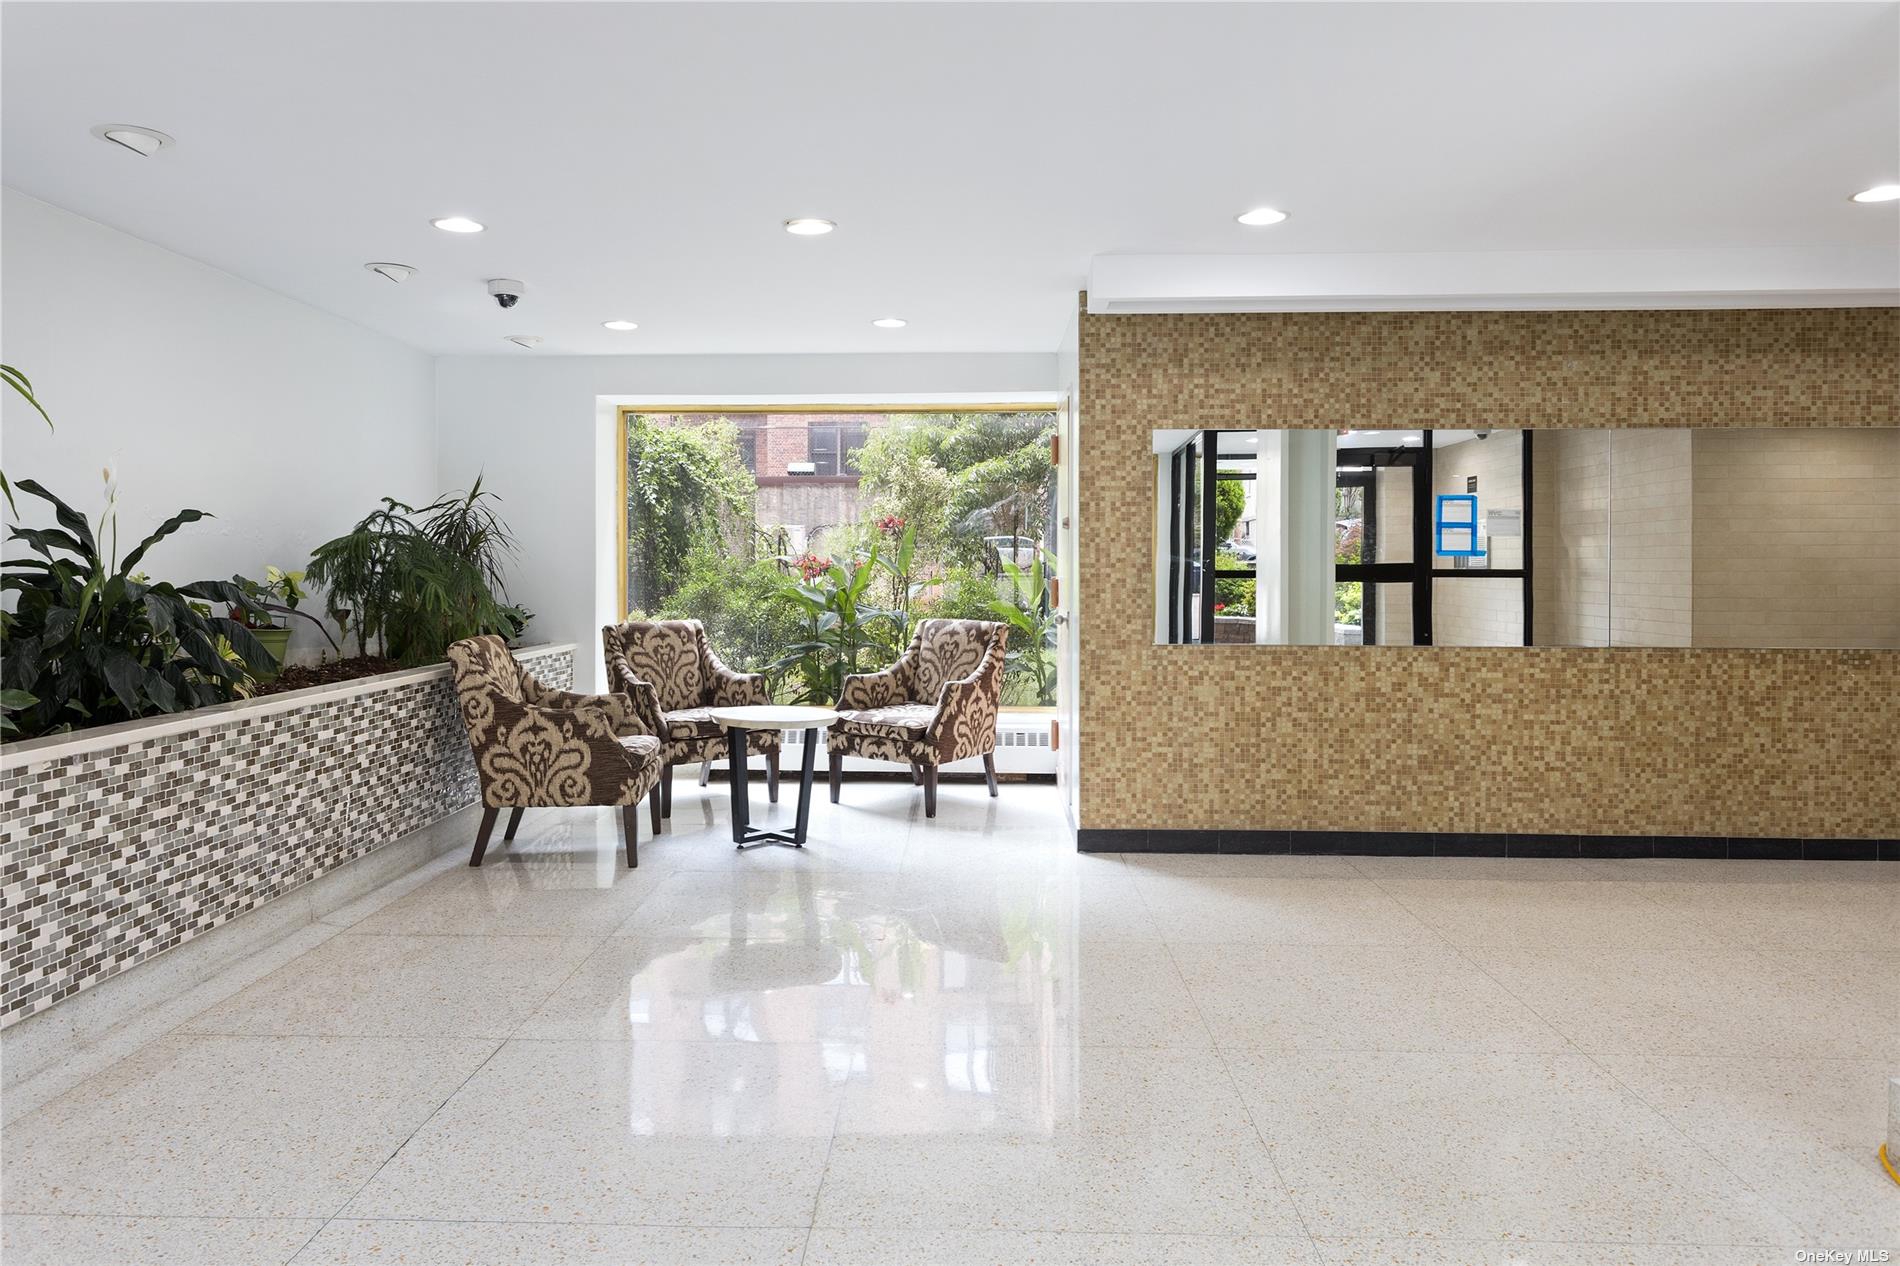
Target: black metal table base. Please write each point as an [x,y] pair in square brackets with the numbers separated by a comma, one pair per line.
[744,834]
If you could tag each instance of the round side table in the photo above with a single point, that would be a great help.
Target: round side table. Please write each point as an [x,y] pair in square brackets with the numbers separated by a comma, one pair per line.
[739,722]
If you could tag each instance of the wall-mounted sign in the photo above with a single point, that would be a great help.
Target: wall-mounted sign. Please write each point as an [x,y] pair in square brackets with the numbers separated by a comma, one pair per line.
[1455,526]
[1504,523]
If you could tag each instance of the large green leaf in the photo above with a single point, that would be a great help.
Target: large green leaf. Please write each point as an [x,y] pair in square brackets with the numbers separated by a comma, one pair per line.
[58,625]
[126,677]
[17,380]
[69,518]
[164,530]
[22,659]
[161,692]
[46,540]
[249,649]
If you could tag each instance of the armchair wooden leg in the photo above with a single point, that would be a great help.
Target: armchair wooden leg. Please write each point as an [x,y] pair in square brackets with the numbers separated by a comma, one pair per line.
[481,836]
[705,772]
[657,812]
[771,775]
[916,774]
[666,792]
[514,821]
[630,827]
[989,771]
[930,791]
[837,776]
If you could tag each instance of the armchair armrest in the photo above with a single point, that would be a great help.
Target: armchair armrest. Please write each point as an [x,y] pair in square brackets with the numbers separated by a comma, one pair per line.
[621,710]
[875,690]
[728,689]
[965,723]
[644,695]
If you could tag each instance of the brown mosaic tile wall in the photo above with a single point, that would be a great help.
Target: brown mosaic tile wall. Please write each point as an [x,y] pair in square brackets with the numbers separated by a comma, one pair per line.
[1630,741]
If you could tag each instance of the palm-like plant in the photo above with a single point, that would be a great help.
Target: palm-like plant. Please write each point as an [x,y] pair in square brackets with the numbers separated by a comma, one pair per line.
[91,641]
[901,565]
[1032,623]
[415,580]
[839,627]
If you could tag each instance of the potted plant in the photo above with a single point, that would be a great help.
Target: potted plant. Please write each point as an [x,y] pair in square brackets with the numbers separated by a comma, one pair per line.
[92,640]
[264,601]
[411,580]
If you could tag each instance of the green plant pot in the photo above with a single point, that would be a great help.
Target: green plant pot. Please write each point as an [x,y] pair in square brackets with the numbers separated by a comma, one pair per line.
[277,642]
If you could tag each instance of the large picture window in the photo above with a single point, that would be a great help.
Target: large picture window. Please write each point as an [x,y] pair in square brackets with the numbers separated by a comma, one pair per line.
[810,541]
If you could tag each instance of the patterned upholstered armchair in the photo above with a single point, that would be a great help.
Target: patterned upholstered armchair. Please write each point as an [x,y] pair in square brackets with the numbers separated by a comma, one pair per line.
[540,747]
[669,669]
[938,703]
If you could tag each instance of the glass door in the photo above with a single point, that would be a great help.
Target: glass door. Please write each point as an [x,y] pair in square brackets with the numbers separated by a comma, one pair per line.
[1382,594]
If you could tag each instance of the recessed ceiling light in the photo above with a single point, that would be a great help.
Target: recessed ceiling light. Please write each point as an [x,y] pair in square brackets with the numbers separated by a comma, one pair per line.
[1879,193]
[142,141]
[807,226]
[1260,216]
[890,323]
[619,325]
[529,341]
[458,224]
[397,273]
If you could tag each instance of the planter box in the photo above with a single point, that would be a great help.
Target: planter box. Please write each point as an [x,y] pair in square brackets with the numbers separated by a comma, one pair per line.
[117,844]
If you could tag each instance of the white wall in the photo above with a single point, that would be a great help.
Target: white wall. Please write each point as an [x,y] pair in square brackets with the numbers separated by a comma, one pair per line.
[541,429]
[200,390]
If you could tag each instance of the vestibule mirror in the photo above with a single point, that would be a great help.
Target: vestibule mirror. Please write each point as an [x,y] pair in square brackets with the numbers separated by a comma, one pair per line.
[1680,537]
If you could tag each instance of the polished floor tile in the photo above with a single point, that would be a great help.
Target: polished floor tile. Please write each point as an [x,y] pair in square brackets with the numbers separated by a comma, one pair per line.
[662,1133]
[1033,1092]
[1220,1184]
[1788,916]
[1050,993]
[1537,1147]
[1280,911]
[1355,997]
[1127,1140]
[702,990]
[761,905]
[350,1242]
[232,1126]
[1802,1131]
[1239,866]
[836,1246]
[403,986]
[1541,870]
[1508,912]
[1724,871]
[516,901]
[959,1041]
[1611,1000]
[76,1240]
[1398,1252]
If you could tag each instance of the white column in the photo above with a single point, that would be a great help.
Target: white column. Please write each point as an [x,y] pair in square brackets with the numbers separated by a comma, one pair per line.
[1293,590]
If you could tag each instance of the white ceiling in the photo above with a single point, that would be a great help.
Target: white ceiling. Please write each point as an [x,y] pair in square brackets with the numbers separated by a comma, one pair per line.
[636,160]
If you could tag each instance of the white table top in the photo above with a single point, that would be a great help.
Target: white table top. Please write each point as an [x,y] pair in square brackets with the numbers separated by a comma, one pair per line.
[774,717]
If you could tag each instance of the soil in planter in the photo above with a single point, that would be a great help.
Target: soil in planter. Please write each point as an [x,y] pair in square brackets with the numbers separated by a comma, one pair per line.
[301,676]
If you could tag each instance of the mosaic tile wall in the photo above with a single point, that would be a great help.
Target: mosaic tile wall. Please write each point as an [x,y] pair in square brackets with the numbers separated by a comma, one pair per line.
[1631,741]
[110,856]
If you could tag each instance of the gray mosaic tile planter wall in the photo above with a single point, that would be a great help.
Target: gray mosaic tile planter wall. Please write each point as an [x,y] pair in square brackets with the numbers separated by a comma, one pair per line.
[117,844]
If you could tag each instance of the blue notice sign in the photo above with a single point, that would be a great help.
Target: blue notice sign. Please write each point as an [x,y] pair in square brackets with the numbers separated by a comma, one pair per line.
[1455,526]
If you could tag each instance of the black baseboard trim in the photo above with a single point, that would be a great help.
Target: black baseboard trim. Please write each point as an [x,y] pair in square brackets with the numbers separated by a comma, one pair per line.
[1483,844]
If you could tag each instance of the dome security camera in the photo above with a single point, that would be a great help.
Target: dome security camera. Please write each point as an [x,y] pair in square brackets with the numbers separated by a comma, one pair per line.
[505,291]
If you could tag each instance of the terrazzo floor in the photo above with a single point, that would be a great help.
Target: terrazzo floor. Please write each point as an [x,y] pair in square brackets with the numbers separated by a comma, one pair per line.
[959,1041]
